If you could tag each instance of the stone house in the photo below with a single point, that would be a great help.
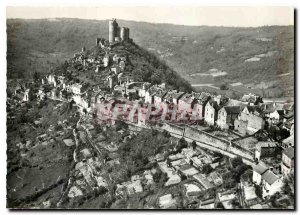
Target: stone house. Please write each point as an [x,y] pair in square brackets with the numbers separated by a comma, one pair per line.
[258,170]
[201,101]
[79,88]
[211,112]
[173,97]
[289,142]
[241,126]
[186,103]
[159,96]
[287,163]
[106,60]
[150,93]
[227,115]
[143,89]
[271,183]
[265,149]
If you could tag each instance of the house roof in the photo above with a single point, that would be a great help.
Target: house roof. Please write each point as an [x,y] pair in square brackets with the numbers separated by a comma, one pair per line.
[269,177]
[254,108]
[215,105]
[290,152]
[192,188]
[153,90]
[161,93]
[288,106]
[260,168]
[187,98]
[232,109]
[233,102]
[204,97]
[289,141]
[265,145]
[173,94]
[271,107]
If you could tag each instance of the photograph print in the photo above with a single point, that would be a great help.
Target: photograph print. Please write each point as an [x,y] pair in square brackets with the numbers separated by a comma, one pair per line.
[179,107]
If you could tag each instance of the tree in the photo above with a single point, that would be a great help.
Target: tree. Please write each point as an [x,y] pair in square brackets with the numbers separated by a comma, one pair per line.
[247,175]
[194,144]
[157,175]
[224,87]
[238,171]
[121,125]
[36,76]
[207,169]
[181,144]
[258,191]
[183,177]
[220,205]
[235,203]
[102,190]
[236,161]
[166,134]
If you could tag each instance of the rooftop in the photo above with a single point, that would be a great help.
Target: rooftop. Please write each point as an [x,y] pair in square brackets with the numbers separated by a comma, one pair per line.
[260,168]
[249,193]
[269,177]
[232,109]
[254,108]
[266,144]
[289,152]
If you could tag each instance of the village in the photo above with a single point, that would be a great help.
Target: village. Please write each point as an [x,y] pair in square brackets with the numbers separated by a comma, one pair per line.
[214,152]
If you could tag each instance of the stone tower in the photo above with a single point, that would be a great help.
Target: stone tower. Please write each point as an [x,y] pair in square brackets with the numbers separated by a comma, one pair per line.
[124,34]
[113,29]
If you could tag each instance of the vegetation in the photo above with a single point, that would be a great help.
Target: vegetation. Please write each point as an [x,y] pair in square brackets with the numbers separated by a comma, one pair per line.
[134,154]
[258,191]
[207,168]
[146,67]
[37,45]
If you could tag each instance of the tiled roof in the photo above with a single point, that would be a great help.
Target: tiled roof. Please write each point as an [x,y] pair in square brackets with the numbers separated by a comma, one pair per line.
[161,93]
[187,98]
[204,97]
[290,152]
[265,144]
[215,105]
[260,168]
[269,177]
[254,108]
[232,109]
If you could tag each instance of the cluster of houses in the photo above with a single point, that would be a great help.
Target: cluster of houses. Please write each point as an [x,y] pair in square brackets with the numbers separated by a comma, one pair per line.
[22,92]
[244,117]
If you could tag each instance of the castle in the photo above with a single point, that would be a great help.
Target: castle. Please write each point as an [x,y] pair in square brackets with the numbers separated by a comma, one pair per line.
[117,34]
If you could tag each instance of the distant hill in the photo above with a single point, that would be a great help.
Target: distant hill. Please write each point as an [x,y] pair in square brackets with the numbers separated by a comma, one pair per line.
[261,57]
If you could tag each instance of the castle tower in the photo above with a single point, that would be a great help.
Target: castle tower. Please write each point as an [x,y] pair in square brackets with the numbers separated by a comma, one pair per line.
[124,34]
[112,30]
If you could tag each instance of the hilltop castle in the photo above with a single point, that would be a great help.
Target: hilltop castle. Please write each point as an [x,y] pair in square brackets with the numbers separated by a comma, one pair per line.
[116,33]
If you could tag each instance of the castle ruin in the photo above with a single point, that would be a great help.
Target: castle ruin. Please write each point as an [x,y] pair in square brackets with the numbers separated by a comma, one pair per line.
[117,34]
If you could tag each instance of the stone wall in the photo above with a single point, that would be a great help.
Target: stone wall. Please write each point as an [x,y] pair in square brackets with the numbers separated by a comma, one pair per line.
[241,152]
[175,129]
[255,123]
[206,138]
[240,126]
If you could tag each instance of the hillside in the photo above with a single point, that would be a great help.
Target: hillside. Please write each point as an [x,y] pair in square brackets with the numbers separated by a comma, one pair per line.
[260,57]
